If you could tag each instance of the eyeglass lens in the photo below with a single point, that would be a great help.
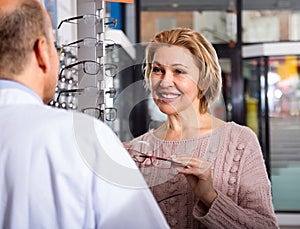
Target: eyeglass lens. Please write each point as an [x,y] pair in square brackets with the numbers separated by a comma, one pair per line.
[110,70]
[89,42]
[110,114]
[92,111]
[140,158]
[91,19]
[91,68]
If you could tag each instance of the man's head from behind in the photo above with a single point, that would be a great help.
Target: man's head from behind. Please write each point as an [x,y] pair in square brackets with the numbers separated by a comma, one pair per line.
[26,38]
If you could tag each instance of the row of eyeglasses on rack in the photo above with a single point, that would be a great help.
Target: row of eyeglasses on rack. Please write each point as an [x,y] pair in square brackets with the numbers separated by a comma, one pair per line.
[68,90]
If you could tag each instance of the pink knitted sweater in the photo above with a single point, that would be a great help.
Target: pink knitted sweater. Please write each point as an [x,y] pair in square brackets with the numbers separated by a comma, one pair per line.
[239,175]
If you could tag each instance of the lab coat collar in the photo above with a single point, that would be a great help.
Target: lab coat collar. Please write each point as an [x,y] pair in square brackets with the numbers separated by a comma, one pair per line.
[12,92]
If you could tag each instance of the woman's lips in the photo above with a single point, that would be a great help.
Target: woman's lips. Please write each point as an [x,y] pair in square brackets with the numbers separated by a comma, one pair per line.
[168,97]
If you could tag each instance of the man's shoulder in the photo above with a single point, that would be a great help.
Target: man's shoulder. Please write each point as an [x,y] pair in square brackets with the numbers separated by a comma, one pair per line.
[60,118]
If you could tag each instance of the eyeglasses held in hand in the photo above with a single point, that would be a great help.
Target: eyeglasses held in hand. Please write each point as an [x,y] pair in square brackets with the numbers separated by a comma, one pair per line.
[141,157]
[91,67]
[90,19]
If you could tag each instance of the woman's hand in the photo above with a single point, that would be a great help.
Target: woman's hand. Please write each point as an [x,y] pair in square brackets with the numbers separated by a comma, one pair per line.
[127,145]
[198,173]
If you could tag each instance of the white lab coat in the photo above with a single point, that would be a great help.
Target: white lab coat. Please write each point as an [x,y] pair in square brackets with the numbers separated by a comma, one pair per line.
[62,169]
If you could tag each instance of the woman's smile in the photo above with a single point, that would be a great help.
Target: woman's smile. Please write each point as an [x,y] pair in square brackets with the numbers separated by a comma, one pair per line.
[168,97]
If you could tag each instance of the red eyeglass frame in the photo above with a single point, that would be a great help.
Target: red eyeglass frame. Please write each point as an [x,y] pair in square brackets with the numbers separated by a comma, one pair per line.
[145,156]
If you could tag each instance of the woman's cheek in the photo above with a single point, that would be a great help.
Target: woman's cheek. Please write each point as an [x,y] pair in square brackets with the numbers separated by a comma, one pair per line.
[154,83]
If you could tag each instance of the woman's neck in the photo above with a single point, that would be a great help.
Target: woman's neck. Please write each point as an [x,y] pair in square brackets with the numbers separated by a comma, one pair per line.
[179,127]
[181,123]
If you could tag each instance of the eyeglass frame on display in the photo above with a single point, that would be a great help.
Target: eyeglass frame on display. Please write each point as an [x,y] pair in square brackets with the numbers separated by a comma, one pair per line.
[69,20]
[97,42]
[76,90]
[101,112]
[95,109]
[84,68]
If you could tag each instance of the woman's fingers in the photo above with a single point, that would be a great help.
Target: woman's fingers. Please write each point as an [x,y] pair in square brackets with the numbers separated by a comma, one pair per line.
[188,159]
[193,165]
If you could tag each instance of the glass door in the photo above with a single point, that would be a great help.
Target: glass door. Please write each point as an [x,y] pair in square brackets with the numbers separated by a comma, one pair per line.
[272,98]
[284,107]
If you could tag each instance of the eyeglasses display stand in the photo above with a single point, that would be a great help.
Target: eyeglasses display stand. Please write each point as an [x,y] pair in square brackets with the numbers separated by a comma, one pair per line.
[84,64]
[92,28]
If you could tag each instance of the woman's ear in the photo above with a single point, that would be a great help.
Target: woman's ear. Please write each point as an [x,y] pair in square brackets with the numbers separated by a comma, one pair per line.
[41,51]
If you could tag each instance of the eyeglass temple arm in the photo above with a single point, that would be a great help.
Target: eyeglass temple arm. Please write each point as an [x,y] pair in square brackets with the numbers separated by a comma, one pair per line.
[74,42]
[114,21]
[70,66]
[68,20]
[164,159]
[170,160]
[69,91]
[169,197]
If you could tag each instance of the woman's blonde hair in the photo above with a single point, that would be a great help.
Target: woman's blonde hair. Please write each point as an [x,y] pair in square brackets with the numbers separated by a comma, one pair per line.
[205,57]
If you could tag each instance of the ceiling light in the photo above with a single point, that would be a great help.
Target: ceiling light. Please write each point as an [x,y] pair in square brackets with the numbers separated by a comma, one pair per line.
[175,5]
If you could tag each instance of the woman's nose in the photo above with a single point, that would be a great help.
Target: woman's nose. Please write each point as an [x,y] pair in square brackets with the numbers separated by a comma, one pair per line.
[167,79]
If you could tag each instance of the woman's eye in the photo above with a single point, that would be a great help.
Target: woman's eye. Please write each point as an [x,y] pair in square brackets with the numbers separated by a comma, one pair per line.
[156,69]
[177,71]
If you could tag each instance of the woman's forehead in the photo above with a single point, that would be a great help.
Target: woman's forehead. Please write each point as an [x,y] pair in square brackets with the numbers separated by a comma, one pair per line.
[170,55]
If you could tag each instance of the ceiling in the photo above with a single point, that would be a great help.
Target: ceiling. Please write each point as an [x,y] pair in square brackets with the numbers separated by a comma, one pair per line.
[199,5]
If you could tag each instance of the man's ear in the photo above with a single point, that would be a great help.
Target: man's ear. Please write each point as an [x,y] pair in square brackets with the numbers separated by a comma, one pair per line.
[41,51]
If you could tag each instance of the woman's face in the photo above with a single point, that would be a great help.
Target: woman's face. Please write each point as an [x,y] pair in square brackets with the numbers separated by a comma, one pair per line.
[174,77]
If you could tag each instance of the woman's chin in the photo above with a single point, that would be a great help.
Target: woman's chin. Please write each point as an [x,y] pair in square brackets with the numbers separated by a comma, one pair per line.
[168,110]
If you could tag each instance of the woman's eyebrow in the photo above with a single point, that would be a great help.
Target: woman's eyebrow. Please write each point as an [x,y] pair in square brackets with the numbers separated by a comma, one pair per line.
[172,65]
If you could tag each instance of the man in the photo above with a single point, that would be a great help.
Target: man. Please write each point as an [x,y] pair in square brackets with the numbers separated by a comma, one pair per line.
[57,169]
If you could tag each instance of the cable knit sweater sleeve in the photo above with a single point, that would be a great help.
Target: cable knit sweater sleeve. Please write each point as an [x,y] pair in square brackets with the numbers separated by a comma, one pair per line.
[244,191]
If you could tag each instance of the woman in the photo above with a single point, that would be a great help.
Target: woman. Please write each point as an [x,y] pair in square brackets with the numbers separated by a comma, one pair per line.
[216,177]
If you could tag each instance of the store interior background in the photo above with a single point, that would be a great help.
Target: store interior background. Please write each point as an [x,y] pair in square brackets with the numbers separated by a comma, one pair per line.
[258,45]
